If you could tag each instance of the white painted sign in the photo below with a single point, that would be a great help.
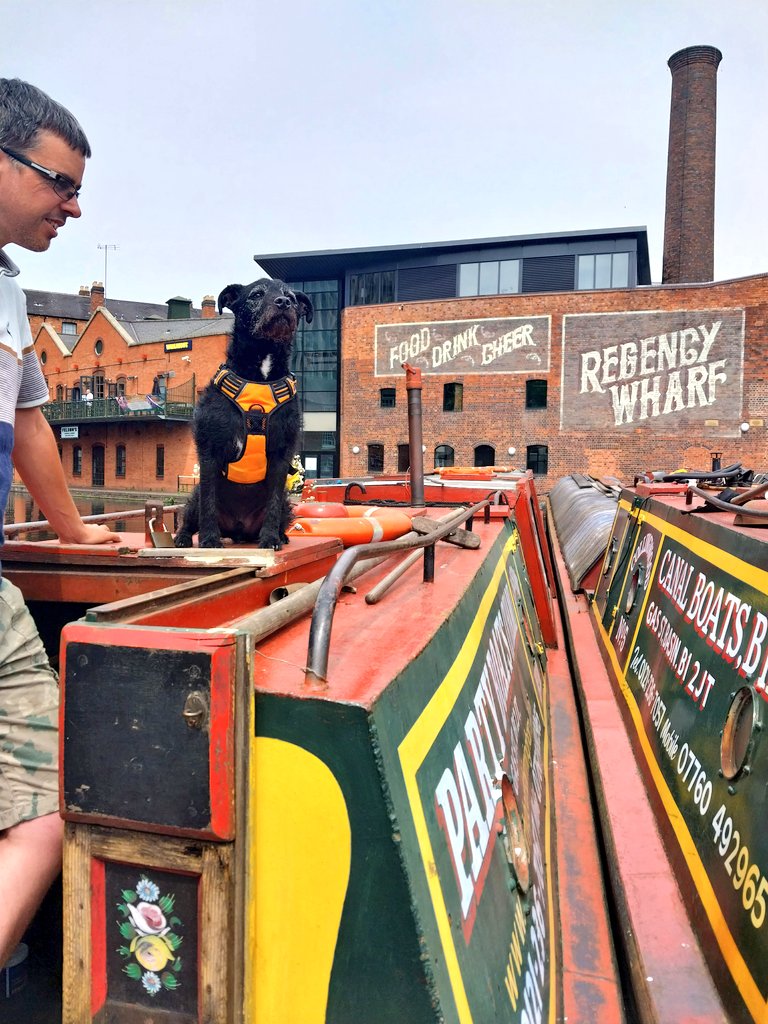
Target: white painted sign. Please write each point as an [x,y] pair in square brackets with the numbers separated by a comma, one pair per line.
[493,345]
[69,432]
[660,370]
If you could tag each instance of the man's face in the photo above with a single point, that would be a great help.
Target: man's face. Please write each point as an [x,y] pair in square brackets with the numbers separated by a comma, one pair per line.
[30,211]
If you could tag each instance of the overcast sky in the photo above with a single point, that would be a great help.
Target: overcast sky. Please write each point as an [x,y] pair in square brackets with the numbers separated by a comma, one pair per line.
[225,128]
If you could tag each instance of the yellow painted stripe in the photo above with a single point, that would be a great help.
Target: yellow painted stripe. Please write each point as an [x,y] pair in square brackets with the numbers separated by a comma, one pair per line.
[728,947]
[414,748]
[732,564]
[298,871]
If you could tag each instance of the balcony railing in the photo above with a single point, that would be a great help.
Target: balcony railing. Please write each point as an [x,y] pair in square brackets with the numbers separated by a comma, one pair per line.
[137,407]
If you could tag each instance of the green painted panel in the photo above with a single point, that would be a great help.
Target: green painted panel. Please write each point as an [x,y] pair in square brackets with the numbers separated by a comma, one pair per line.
[687,631]
[471,709]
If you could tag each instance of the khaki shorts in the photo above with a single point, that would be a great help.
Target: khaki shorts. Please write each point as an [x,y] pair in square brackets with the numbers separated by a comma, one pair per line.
[29,701]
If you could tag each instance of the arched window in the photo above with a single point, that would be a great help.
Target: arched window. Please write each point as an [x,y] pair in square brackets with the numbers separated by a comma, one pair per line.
[77,460]
[120,460]
[120,386]
[59,392]
[375,458]
[485,455]
[537,458]
[99,387]
[453,397]
[444,456]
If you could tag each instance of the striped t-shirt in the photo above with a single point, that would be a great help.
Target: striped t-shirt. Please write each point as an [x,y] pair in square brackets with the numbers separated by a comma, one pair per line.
[22,384]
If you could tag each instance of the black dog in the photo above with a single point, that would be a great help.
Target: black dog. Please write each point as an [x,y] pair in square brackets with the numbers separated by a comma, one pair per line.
[247,423]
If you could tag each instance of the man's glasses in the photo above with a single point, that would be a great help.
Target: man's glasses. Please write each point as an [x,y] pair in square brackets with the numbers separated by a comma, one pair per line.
[63,186]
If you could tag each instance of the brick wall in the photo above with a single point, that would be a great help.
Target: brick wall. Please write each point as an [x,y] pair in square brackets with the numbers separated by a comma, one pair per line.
[137,365]
[494,410]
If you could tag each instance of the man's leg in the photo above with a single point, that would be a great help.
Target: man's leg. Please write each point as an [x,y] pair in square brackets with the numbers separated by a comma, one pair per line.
[30,859]
[30,827]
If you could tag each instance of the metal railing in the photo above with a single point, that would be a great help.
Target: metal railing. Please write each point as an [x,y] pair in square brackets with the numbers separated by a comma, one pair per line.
[328,594]
[79,411]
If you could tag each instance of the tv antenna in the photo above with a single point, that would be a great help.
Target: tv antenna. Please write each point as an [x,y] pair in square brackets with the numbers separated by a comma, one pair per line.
[106,249]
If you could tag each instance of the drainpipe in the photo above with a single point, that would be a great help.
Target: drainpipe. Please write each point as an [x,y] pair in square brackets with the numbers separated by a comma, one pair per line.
[415,453]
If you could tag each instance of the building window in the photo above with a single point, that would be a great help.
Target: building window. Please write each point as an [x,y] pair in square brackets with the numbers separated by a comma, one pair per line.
[120,386]
[120,460]
[77,461]
[160,461]
[492,277]
[535,394]
[387,398]
[453,397]
[99,389]
[98,348]
[43,357]
[328,439]
[59,392]
[375,458]
[403,458]
[68,328]
[372,289]
[444,456]
[485,455]
[603,270]
[537,458]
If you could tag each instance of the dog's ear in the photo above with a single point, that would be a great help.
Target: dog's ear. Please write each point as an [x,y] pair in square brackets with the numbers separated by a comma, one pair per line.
[305,306]
[229,296]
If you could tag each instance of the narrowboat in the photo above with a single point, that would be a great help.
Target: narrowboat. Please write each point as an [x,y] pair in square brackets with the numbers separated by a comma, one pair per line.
[502,763]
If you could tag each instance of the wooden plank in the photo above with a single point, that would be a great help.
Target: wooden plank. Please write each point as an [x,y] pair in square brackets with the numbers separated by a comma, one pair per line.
[76,990]
[216,920]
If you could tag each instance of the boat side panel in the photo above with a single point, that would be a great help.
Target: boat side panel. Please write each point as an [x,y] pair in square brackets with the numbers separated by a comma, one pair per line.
[486,913]
[683,632]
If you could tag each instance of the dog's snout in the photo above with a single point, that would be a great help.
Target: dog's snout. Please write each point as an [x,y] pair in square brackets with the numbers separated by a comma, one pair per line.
[282,301]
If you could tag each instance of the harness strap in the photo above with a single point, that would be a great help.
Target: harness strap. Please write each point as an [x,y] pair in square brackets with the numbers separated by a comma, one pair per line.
[256,403]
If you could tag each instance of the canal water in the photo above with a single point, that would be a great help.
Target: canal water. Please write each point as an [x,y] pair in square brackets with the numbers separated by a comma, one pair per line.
[22,509]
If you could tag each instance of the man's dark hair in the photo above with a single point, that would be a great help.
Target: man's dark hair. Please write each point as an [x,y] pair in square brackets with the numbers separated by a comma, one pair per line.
[25,111]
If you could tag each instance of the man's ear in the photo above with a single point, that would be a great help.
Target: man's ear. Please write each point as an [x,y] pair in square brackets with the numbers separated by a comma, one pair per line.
[305,306]
[229,296]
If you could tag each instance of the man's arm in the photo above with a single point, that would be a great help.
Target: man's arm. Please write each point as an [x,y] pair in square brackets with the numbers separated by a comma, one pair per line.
[36,458]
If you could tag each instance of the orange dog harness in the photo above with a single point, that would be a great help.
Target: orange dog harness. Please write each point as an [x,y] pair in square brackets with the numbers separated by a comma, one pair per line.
[256,402]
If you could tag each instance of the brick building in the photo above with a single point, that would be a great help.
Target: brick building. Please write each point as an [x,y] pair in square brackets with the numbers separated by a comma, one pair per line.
[123,380]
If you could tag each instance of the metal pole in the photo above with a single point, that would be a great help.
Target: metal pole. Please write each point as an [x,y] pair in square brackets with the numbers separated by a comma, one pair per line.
[416,455]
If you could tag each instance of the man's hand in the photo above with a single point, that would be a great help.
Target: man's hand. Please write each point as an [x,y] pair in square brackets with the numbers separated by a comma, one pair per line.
[91,533]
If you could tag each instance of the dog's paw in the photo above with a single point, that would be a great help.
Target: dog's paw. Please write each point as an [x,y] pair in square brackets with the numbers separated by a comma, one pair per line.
[212,540]
[183,540]
[269,540]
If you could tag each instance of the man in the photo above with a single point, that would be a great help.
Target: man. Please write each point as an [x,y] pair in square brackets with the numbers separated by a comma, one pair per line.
[42,158]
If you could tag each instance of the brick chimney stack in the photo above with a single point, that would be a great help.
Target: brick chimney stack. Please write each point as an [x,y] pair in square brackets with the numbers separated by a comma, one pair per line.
[689,226]
[97,295]
[208,307]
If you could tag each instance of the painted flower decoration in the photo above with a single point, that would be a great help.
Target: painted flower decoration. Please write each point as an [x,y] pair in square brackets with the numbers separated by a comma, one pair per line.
[147,890]
[150,928]
[151,982]
[147,918]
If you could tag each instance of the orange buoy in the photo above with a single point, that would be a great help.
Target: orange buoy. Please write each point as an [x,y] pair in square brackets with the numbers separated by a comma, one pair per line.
[320,510]
[385,524]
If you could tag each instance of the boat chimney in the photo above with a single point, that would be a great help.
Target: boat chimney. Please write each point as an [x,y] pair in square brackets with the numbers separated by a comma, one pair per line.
[715,460]
[415,454]
[689,226]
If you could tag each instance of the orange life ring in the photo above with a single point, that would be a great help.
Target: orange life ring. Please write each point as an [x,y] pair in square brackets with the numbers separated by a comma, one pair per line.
[381,524]
[335,510]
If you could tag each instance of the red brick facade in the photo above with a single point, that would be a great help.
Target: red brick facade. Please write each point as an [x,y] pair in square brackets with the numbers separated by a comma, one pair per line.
[105,347]
[683,411]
